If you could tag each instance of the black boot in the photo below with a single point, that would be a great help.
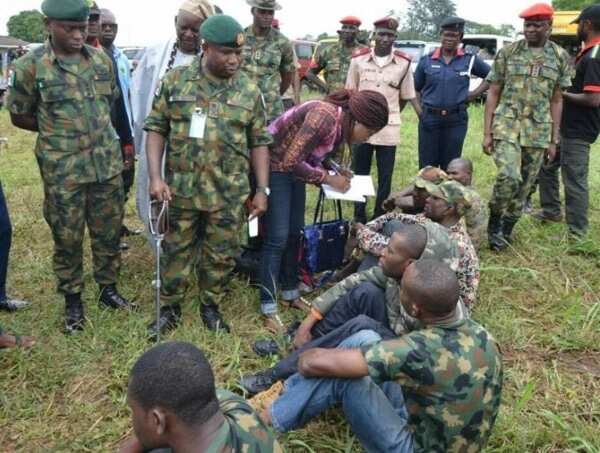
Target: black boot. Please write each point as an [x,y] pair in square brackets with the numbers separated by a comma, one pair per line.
[507,228]
[259,382]
[110,298]
[495,238]
[170,316]
[212,319]
[74,314]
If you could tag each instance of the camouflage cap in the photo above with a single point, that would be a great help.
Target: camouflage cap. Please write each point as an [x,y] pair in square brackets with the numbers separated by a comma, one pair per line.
[430,174]
[94,8]
[440,246]
[198,8]
[222,30]
[70,10]
[264,4]
[452,192]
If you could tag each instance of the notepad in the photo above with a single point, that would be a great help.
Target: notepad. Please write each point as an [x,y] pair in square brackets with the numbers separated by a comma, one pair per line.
[361,186]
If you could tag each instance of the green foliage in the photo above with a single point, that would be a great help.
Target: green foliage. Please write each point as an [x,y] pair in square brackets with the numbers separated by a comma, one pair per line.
[477,28]
[425,16]
[571,5]
[27,25]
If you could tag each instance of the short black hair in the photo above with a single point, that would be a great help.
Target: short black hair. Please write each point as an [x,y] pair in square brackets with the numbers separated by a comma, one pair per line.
[415,237]
[175,376]
[435,287]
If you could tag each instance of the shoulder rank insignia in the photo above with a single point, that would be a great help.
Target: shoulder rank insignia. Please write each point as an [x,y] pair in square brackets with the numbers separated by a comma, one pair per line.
[401,54]
[359,52]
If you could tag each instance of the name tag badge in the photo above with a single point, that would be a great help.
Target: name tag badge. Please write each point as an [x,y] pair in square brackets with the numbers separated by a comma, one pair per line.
[535,70]
[463,73]
[198,124]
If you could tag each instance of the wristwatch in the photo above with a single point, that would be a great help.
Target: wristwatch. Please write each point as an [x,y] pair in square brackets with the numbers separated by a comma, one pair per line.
[266,190]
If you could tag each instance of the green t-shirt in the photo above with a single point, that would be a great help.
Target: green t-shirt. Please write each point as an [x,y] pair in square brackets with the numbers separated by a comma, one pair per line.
[451,378]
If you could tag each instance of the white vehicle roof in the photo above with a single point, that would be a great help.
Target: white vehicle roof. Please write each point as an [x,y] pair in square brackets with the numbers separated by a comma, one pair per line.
[483,36]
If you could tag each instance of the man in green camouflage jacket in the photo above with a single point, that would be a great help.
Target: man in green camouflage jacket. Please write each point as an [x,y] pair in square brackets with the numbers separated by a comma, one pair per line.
[522,117]
[268,56]
[208,114]
[335,59]
[64,90]
[174,404]
[435,389]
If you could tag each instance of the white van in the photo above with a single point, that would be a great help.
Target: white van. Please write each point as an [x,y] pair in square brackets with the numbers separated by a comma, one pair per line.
[416,49]
[485,47]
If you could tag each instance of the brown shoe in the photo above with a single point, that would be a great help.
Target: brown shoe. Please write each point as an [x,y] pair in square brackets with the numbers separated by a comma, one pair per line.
[274,324]
[263,401]
[542,215]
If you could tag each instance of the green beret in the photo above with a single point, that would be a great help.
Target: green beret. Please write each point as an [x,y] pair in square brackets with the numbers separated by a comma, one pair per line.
[73,10]
[222,30]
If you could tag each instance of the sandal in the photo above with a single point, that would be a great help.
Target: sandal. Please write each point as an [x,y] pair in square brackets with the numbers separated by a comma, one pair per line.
[300,304]
[274,324]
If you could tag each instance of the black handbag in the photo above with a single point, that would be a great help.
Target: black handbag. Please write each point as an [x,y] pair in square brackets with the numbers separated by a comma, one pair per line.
[323,242]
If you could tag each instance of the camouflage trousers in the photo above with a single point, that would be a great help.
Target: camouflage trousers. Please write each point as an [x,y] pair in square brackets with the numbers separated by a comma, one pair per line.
[518,168]
[67,210]
[205,242]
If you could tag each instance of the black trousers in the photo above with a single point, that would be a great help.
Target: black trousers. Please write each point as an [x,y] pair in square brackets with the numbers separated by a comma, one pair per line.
[441,138]
[362,156]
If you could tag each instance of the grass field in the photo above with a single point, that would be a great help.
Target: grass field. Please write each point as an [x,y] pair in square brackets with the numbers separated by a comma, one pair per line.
[540,300]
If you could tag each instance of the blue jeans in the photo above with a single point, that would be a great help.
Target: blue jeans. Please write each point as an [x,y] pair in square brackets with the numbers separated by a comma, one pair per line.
[376,414]
[441,138]
[5,240]
[284,222]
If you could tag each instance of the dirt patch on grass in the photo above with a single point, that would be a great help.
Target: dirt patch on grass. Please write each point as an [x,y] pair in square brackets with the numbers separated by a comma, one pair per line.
[571,361]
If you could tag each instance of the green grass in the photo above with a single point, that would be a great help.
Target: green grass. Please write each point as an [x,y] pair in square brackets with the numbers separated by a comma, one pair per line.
[540,300]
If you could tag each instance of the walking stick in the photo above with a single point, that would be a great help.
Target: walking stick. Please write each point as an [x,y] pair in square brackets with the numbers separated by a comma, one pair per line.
[158,215]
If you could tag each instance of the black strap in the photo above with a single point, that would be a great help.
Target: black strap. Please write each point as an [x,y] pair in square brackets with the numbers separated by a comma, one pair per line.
[320,209]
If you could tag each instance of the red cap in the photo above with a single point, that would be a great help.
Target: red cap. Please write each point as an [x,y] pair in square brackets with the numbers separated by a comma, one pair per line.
[539,11]
[387,23]
[351,20]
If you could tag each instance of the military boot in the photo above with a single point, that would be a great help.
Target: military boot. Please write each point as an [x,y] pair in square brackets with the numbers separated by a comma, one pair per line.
[507,228]
[74,313]
[495,238]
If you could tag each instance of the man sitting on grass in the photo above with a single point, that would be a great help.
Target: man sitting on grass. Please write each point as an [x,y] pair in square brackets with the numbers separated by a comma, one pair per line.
[366,300]
[437,388]
[476,217]
[411,199]
[174,405]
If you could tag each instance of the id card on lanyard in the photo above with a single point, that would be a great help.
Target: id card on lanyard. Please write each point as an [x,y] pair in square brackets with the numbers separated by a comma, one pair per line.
[198,124]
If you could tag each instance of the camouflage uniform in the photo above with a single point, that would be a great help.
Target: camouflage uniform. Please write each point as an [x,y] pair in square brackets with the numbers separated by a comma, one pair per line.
[335,61]
[243,430]
[265,59]
[208,177]
[78,154]
[476,218]
[451,379]
[522,125]
[439,247]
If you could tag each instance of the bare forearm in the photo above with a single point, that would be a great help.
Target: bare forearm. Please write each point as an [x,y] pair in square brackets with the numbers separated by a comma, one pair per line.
[590,100]
[27,122]
[416,104]
[286,81]
[490,107]
[261,165]
[155,145]
[556,107]
[482,88]
[342,363]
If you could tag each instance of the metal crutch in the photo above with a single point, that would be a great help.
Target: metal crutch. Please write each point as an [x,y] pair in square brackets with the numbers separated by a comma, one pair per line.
[158,217]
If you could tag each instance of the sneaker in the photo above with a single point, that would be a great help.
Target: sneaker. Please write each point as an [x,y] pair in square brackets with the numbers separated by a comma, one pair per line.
[10,304]
[259,382]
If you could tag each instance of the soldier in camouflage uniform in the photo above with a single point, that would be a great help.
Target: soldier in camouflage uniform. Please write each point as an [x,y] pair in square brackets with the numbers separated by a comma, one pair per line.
[476,217]
[435,389]
[63,90]
[208,114]
[522,118]
[335,59]
[268,56]
[174,404]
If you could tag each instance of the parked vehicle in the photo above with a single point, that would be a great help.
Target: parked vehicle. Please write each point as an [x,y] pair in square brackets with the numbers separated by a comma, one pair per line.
[134,54]
[564,33]
[304,52]
[485,47]
[416,49]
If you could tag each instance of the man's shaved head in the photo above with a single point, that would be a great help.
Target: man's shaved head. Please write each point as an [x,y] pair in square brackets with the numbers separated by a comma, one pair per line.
[108,28]
[406,244]
[431,287]
[461,170]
